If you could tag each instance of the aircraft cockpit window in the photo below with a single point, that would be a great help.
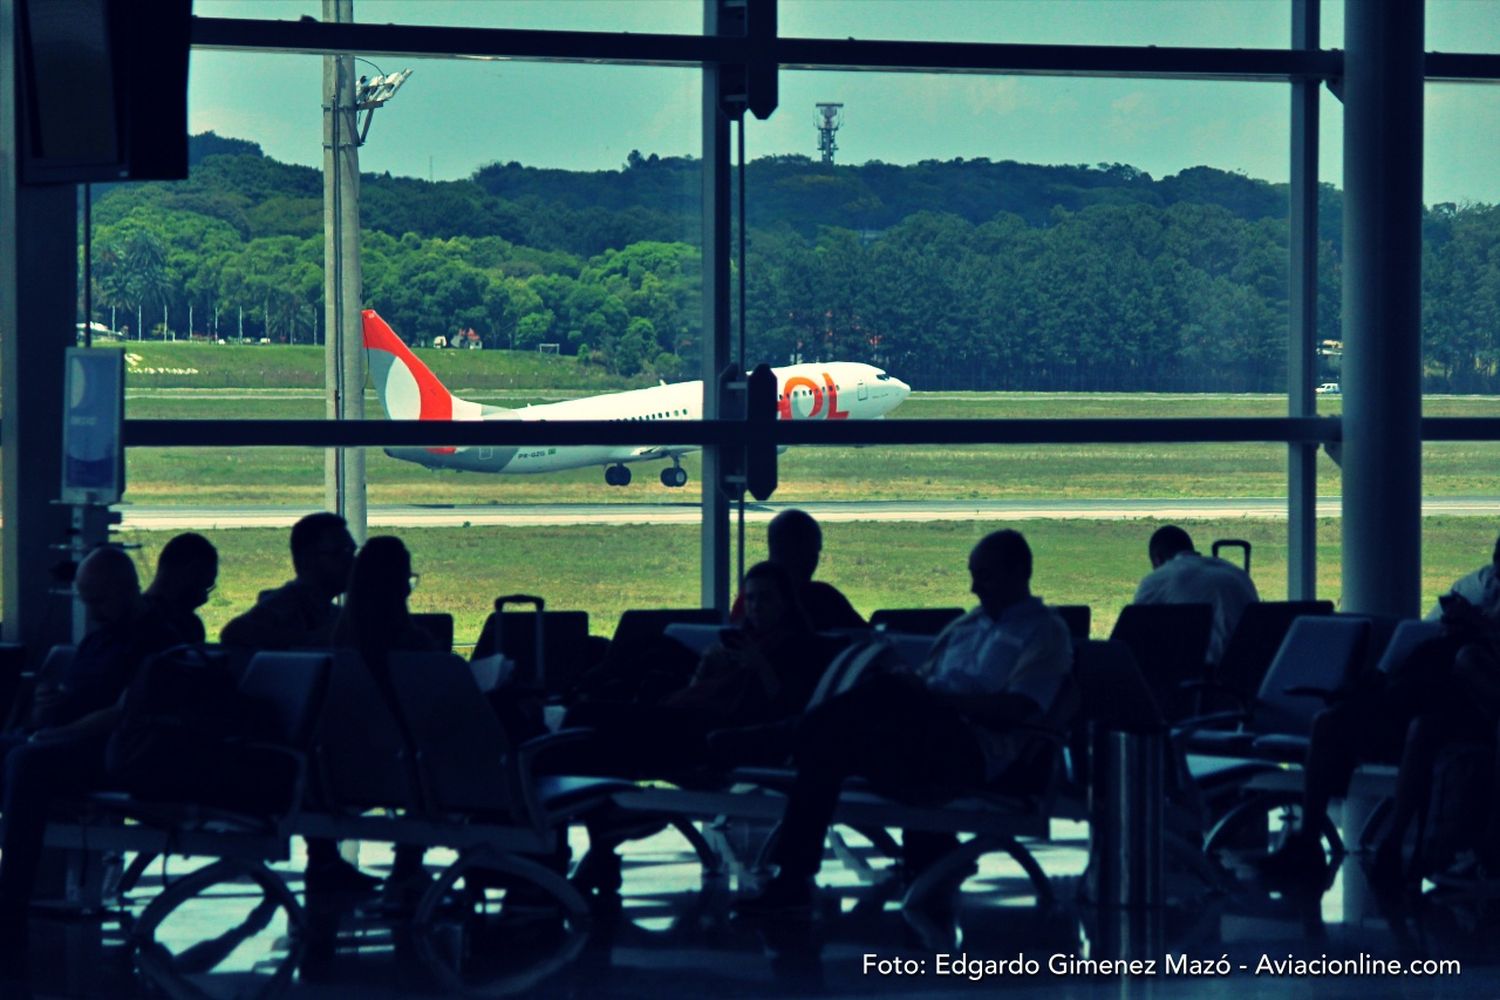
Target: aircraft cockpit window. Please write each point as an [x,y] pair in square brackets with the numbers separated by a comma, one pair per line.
[883,377]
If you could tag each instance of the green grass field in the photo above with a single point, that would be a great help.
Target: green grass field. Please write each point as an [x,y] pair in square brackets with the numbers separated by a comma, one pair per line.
[185,365]
[605,570]
[251,475]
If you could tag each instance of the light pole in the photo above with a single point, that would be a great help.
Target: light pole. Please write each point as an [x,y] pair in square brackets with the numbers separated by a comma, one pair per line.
[344,98]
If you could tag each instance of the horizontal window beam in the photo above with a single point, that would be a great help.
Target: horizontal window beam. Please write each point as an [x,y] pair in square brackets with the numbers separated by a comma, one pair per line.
[432,434]
[317,38]
[1462,67]
[631,48]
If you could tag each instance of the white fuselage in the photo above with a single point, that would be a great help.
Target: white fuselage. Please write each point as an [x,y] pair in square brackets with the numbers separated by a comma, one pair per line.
[839,390]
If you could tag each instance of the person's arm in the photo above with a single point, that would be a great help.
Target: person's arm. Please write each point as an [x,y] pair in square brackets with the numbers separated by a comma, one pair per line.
[100,724]
[1043,667]
[994,711]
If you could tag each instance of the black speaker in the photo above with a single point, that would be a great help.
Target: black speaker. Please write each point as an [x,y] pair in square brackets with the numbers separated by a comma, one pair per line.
[103,89]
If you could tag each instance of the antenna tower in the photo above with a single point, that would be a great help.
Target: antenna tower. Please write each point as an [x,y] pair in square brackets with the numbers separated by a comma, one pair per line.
[830,117]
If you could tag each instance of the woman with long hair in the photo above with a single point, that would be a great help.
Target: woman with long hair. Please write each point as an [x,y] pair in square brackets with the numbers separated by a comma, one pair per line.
[375,619]
[376,622]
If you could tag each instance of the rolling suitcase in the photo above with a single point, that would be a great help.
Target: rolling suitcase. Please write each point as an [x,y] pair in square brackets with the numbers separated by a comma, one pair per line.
[1234,543]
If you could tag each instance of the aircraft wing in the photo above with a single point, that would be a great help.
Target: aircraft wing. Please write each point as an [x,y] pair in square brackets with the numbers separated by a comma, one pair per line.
[650,451]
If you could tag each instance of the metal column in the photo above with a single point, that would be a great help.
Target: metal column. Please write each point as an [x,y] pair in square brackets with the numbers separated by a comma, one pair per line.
[344,373]
[1382,370]
[1302,360]
[714,586]
[38,309]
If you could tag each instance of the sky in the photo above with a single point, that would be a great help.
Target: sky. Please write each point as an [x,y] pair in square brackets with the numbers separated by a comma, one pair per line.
[454,116]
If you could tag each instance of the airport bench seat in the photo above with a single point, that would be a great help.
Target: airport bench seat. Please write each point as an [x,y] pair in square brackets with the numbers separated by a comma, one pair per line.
[998,820]
[443,775]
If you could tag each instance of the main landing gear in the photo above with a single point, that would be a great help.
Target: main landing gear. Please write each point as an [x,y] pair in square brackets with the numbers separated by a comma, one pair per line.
[617,475]
[675,477]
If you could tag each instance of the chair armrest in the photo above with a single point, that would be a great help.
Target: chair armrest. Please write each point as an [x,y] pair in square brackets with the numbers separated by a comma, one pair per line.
[1301,691]
[1216,687]
[521,771]
[1214,720]
[1037,731]
[527,753]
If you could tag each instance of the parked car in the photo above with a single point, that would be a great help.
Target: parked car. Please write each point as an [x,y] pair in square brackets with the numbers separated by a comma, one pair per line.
[1328,389]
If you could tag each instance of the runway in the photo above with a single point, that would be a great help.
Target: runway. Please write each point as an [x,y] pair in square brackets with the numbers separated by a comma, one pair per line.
[187,518]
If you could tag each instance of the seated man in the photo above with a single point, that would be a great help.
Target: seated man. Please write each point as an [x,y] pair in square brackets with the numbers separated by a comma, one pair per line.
[301,612]
[1447,690]
[186,572]
[1180,575]
[75,716]
[795,542]
[952,725]
[1480,588]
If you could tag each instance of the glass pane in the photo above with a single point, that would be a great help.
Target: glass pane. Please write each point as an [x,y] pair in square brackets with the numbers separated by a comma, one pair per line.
[1463,26]
[898,523]
[570,256]
[960,238]
[596,567]
[1229,23]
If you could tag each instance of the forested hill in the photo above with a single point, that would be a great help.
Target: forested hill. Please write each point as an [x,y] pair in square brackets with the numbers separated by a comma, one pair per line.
[649,197]
[798,192]
[961,273]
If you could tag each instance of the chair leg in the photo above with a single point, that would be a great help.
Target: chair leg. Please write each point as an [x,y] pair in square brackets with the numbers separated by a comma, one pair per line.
[940,876]
[574,911]
[224,870]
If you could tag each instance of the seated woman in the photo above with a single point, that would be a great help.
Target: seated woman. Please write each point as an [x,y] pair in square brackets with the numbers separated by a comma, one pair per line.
[762,671]
[1447,691]
[376,622]
[375,619]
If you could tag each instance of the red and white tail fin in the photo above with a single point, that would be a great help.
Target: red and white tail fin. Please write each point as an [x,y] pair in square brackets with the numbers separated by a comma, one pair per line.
[407,388]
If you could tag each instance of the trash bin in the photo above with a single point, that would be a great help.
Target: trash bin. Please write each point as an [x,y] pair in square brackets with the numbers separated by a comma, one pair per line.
[1126,797]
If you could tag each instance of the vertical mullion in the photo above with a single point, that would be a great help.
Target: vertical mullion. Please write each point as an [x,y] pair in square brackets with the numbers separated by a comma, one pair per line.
[715,529]
[1302,293]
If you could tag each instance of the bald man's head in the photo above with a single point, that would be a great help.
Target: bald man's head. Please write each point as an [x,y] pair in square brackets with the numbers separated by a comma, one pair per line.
[794,541]
[1000,570]
[108,587]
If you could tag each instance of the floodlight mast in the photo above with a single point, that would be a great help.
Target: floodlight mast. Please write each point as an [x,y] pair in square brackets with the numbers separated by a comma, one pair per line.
[372,92]
[343,99]
[830,118]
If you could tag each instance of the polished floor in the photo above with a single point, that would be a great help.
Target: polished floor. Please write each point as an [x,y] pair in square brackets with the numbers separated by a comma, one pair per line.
[670,935]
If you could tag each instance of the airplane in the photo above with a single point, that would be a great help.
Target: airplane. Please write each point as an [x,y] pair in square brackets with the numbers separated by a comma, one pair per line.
[408,390]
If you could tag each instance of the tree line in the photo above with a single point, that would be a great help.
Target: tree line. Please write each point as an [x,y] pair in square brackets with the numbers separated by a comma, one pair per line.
[960,274]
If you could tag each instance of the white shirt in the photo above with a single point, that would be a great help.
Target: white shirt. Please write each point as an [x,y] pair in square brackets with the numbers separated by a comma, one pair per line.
[1190,578]
[1025,650]
[1480,588]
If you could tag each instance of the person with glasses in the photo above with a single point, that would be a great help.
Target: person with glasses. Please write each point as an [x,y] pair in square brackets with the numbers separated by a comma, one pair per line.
[186,573]
[376,622]
[300,613]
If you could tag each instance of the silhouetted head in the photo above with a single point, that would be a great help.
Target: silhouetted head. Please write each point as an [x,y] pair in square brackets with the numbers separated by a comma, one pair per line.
[323,552]
[794,541]
[374,611]
[108,587]
[771,601]
[1167,542]
[1496,558]
[186,572]
[1000,570]
[381,575]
